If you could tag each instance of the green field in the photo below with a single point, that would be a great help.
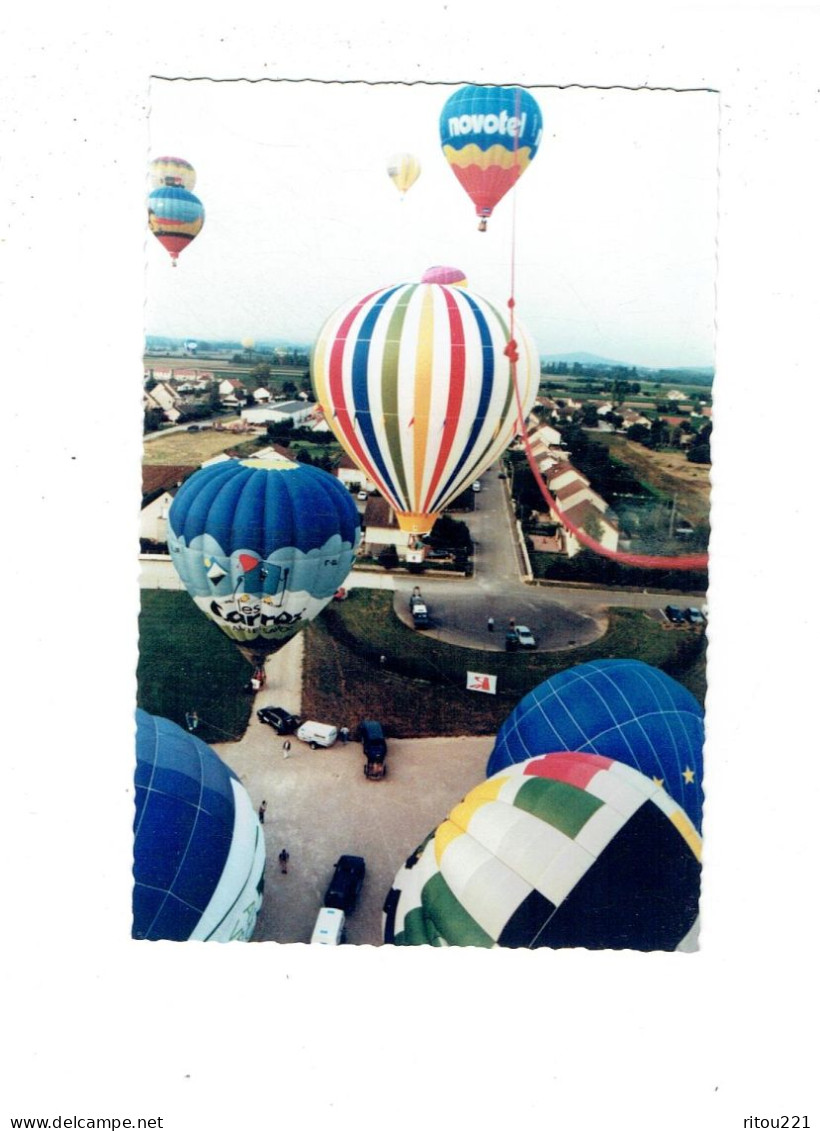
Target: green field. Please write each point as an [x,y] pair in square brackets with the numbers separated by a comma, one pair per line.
[419,690]
[186,663]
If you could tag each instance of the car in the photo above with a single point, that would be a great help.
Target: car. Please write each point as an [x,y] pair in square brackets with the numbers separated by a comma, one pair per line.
[340,594]
[282,721]
[502,475]
[525,637]
[511,640]
[674,614]
[694,615]
[345,887]
[371,735]
[477,486]
[363,495]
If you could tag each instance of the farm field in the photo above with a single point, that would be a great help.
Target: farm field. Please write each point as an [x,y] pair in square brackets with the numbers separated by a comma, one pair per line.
[669,473]
[190,447]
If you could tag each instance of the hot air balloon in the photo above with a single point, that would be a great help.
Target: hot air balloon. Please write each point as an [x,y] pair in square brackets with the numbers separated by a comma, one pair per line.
[175,172]
[489,135]
[175,216]
[403,170]
[563,850]
[415,381]
[454,276]
[199,853]
[623,709]
[262,545]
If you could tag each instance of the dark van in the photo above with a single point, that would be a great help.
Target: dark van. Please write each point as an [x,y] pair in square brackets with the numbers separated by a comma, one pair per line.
[374,746]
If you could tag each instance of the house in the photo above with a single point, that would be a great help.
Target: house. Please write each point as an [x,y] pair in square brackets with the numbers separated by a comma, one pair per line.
[589,518]
[351,475]
[296,411]
[159,485]
[261,396]
[381,529]
[164,398]
[231,391]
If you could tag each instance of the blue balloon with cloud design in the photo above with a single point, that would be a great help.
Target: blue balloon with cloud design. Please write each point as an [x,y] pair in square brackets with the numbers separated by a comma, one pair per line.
[262,545]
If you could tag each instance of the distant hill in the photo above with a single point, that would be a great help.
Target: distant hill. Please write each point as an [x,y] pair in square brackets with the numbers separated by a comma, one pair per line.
[582,358]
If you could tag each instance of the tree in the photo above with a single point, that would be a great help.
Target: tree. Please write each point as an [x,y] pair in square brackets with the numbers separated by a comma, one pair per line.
[389,557]
[289,388]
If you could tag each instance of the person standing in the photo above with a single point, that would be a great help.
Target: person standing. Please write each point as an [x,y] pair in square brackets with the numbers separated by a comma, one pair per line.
[286,748]
[490,624]
[284,856]
[262,810]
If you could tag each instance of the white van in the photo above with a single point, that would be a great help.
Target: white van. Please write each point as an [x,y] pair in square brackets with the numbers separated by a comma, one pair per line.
[317,734]
[329,928]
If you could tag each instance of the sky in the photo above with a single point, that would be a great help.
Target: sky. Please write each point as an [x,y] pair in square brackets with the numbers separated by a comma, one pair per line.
[608,242]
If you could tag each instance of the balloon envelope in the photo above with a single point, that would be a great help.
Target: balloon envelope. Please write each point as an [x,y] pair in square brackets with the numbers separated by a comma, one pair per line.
[565,850]
[403,170]
[454,276]
[415,382]
[623,709]
[489,136]
[262,546]
[199,853]
[174,172]
[175,216]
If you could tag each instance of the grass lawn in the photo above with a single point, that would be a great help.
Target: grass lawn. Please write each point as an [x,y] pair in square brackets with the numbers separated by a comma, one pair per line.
[186,663]
[420,688]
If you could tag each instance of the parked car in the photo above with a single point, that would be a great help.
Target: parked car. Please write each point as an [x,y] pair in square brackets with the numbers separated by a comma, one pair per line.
[511,640]
[345,888]
[477,486]
[374,744]
[340,594]
[282,721]
[363,495]
[674,614]
[694,615]
[317,734]
[525,637]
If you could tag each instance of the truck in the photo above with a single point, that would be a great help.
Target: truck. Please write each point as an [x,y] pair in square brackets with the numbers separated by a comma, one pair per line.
[418,610]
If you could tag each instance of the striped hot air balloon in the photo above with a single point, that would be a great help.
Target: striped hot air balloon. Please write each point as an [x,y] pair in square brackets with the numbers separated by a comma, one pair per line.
[175,216]
[489,136]
[403,169]
[174,172]
[416,382]
[563,850]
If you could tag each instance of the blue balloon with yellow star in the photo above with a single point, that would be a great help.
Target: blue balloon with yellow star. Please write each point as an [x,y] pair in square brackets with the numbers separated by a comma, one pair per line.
[622,709]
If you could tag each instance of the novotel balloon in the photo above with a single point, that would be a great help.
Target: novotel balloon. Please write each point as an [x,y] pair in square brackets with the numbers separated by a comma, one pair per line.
[174,172]
[623,709]
[175,216]
[199,852]
[489,136]
[416,382]
[262,545]
[564,850]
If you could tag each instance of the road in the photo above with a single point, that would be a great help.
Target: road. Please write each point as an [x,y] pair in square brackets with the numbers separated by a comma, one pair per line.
[559,616]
